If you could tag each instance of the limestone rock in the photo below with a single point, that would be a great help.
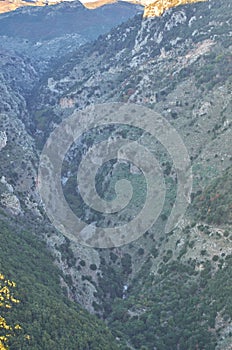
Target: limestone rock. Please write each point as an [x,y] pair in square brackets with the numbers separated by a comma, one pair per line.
[11,202]
[3,139]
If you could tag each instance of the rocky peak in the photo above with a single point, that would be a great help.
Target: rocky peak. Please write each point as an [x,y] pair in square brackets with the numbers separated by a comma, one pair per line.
[158,7]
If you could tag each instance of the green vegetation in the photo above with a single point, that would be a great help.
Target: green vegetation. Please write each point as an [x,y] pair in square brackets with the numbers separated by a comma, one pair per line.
[175,310]
[44,313]
[7,301]
[153,295]
[216,70]
[214,204]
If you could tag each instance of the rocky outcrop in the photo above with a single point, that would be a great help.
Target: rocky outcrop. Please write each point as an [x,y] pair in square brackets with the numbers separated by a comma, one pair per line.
[8,199]
[11,202]
[156,8]
[3,139]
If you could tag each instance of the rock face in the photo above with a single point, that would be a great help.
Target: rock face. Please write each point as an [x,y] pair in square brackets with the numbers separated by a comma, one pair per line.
[3,139]
[152,8]
[157,8]
[11,202]
[8,199]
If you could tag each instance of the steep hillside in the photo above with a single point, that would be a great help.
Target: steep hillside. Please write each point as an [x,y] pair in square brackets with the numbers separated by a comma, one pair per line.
[214,204]
[180,66]
[40,24]
[152,8]
[165,290]
[49,319]
[43,34]
[7,6]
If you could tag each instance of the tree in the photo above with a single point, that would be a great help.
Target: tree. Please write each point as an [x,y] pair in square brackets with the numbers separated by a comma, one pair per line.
[7,301]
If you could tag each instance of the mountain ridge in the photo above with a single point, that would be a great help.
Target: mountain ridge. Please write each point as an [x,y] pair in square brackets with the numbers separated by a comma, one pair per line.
[152,8]
[42,41]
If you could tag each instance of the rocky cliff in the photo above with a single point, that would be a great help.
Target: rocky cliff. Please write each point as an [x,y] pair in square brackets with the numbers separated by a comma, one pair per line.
[157,8]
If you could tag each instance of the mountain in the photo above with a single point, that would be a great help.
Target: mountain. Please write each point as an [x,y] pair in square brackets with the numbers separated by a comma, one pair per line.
[48,318]
[152,7]
[166,290]
[7,6]
[157,8]
[40,24]
[43,34]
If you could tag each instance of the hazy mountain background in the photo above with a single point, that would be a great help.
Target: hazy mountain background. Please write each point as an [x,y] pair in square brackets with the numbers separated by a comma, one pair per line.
[44,34]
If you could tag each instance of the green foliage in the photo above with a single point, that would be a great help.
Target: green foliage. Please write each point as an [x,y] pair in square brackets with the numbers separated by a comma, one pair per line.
[110,286]
[126,264]
[214,204]
[82,263]
[170,312]
[140,251]
[51,320]
[113,257]
[175,309]
[93,267]
[215,71]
